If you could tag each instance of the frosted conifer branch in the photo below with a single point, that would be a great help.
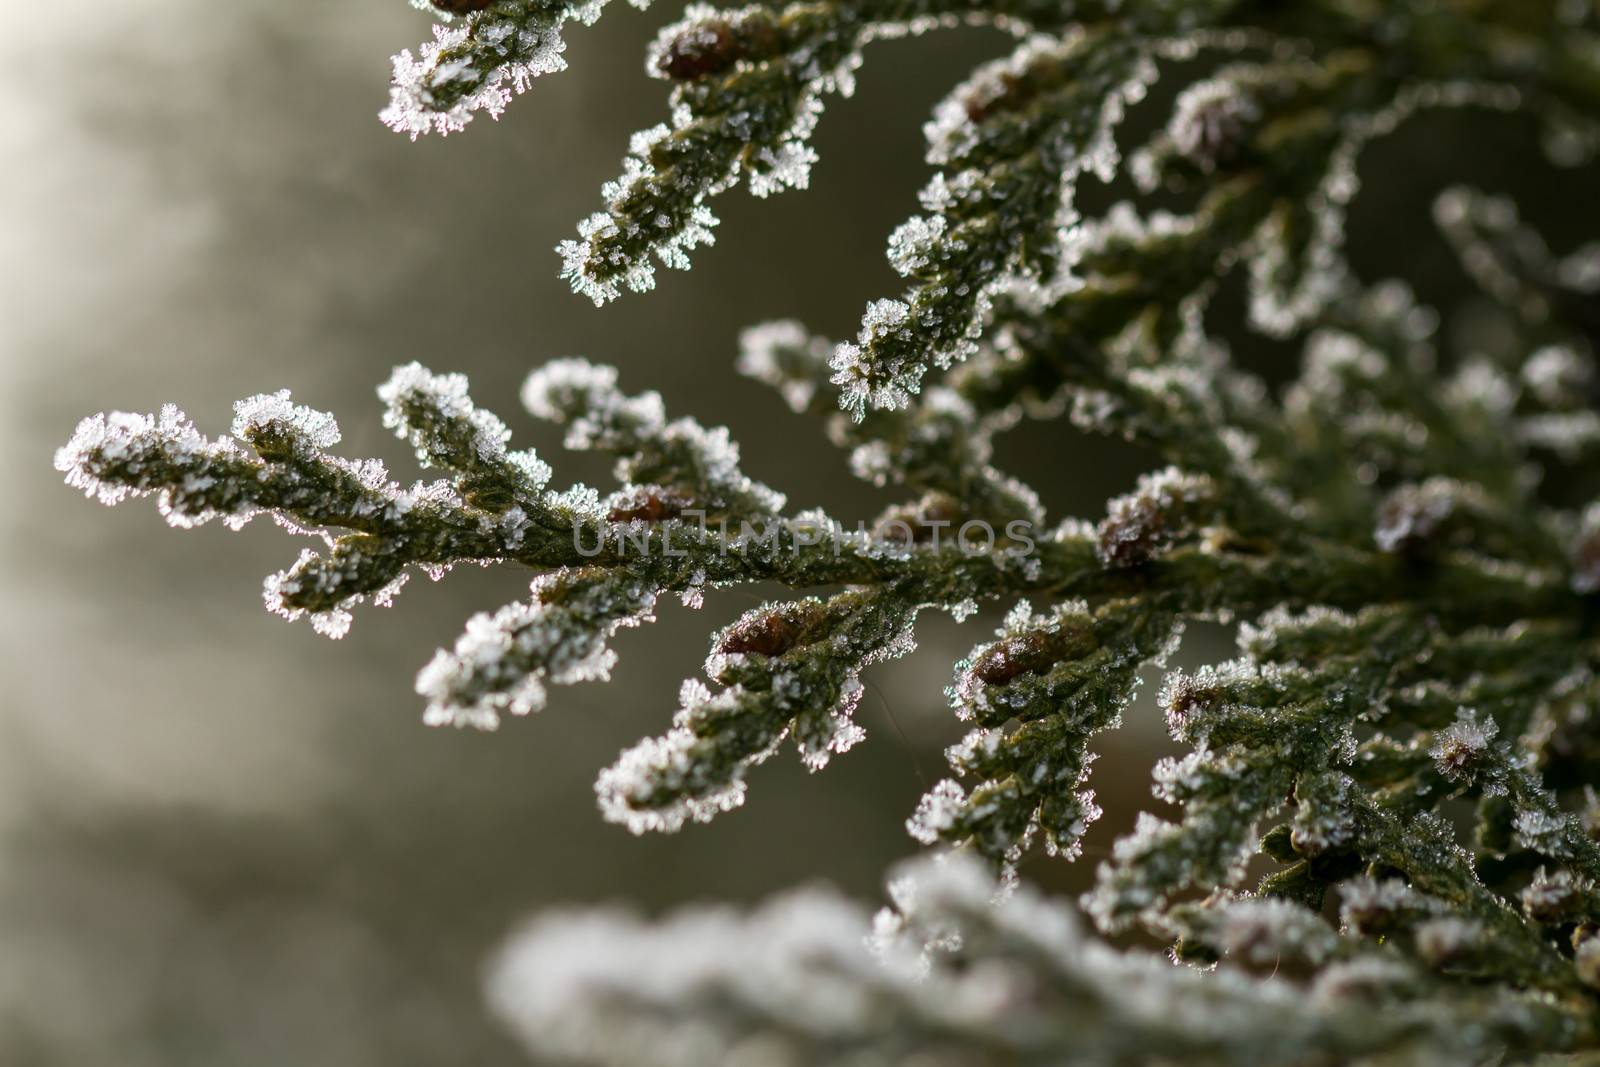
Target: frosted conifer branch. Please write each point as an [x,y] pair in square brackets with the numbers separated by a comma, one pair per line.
[748,86]
[681,457]
[493,53]
[941,447]
[1405,735]
[1063,677]
[791,670]
[503,661]
[374,528]
[961,977]
[1010,144]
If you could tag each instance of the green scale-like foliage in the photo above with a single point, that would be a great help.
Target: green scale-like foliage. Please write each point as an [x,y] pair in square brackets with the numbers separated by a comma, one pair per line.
[1404,750]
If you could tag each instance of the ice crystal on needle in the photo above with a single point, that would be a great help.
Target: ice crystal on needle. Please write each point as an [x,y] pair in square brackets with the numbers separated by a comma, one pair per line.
[1376,840]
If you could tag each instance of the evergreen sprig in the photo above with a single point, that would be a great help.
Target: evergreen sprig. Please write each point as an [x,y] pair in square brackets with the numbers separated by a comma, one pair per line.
[1403,752]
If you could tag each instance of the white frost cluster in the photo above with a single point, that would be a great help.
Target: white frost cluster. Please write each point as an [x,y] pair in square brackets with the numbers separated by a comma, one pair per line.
[1561,379]
[1558,376]
[834,731]
[1545,829]
[669,764]
[1362,981]
[861,381]
[788,164]
[937,811]
[1480,388]
[333,622]
[1571,435]
[413,386]
[1447,939]
[1152,517]
[915,242]
[578,258]
[1324,820]
[1208,117]
[584,397]
[114,456]
[786,356]
[479,64]
[128,441]
[1370,906]
[1461,750]
[1412,514]
[274,415]
[414,390]
[1555,896]
[502,663]
[1269,931]
[1264,635]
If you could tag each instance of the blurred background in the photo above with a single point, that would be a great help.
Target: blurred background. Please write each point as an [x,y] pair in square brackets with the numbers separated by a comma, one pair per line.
[225,840]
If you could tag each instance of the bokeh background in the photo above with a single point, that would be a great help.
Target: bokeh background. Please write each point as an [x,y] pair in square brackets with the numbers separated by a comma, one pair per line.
[225,840]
